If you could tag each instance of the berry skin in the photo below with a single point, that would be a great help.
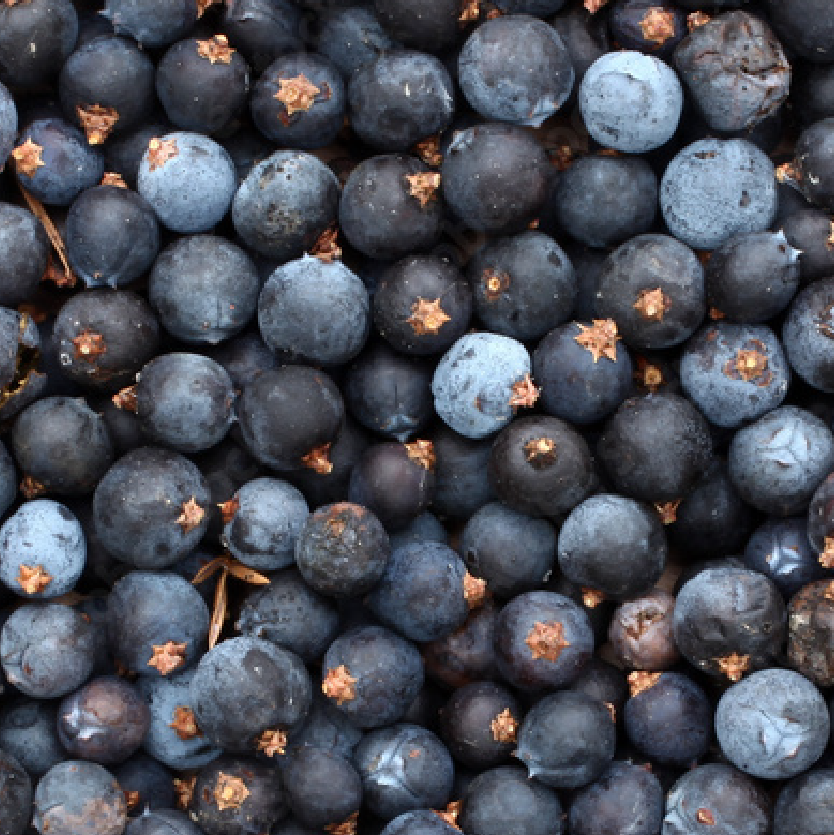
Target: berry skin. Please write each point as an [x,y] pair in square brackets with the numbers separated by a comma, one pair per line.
[157,623]
[15,794]
[734,373]
[189,180]
[567,740]
[284,204]
[542,639]
[351,37]
[152,23]
[627,565]
[47,651]
[419,822]
[28,733]
[149,509]
[641,632]
[204,289]
[273,682]
[808,332]
[161,821]
[773,724]
[421,593]
[403,767]
[79,798]
[803,804]
[42,550]
[473,383]
[24,253]
[630,102]
[372,675]
[314,312]
[715,189]
[502,83]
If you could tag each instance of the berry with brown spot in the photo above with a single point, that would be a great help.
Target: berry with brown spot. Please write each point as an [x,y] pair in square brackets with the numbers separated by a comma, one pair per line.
[496,283]
[658,25]
[89,345]
[230,792]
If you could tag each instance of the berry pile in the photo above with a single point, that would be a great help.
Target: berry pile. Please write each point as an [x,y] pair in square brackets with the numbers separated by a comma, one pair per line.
[416,416]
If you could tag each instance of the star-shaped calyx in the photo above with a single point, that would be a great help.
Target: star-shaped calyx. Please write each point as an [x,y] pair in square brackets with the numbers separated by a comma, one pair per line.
[167,657]
[190,516]
[272,742]
[470,11]
[33,579]
[318,459]
[658,25]
[734,666]
[112,178]
[423,186]
[88,345]
[696,19]
[229,508]
[826,557]
[126,399]
[160,151]
[504,727]
[540,452]
[298,95]
[428,150]
[349,826]
[474,590]
[97,121]
[668,511]
[422,453]
[593,6]
[31,488]
[230,792]
[750,365]
[326,248]
[427,317]
[339,684]
[216,50]
[640,681]
[184,789]
[547,640]
[28,158]
[495,282]
[524,393]
[450,813]
[600,338]
[185,723]
[652,304]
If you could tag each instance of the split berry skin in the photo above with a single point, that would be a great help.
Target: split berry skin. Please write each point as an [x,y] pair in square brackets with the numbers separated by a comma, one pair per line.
[390,207]
[630,102]
[575,383]
[735,192]
[403,768]
[626,797]
[652,286]
[495,177]
[105,721]
[274,216]
[587,209]
[501,798]
[276,433]
[773,724]
[523,285]
[422,305]
[47,651]
[474,383]
[269,515]
[112,236]
[637,443]
[542,467]
[342,550]
[777,462]
[399,99]
[542,639]
[729,621]
[274,682]
[734,373]
[421,594]
[42,550]
[189,180]
[511,551]
[291,614]
[25,252]
[372,675]
[734,51]
[79,798]
[157,623]
[108,79]
[720,793]
[233,794]
[299,101]
[69,164]
[480,723]
[625,566]
[566,739]
[314,312]
[500,87]
[150,507]
[669,719]
[204,289]
[173,737]
[202,84]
